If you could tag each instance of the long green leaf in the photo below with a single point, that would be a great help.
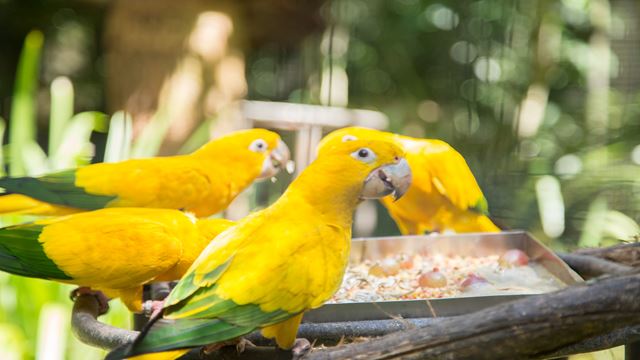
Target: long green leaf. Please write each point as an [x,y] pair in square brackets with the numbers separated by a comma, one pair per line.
[33,158]
[198,138]
[22,129]
[149,142]
[61,113]
[3,127]
[118,145]
[75,147]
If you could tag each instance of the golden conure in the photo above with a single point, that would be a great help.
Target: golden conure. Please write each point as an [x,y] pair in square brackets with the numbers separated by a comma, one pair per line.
[115,251]
[444,194]
[265,272]
[203,183]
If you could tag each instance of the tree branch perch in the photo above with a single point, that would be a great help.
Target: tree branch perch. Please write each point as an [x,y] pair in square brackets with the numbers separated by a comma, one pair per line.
[597,315]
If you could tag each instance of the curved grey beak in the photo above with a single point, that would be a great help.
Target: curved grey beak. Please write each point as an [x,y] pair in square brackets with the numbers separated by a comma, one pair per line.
[276,161]
[386,180]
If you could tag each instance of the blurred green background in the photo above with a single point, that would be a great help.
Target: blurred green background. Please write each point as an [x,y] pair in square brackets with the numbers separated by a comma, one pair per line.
[542,97]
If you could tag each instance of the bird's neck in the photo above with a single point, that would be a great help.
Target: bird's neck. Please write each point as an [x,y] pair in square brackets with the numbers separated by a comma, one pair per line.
[235,171]
[329,191]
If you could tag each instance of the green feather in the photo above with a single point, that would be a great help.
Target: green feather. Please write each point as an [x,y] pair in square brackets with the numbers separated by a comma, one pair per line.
[180,334]
[22,254]
[187,285]
[213,306]
[222,320]
[56,188]
[481,207]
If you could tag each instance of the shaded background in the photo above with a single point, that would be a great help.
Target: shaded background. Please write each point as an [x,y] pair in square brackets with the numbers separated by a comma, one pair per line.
[541,97]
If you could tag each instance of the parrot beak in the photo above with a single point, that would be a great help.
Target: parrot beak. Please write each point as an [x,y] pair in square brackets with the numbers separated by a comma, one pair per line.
[389,179]
[278,159]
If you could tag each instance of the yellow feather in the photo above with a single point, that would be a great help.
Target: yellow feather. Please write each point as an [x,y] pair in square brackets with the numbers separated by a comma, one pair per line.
[18,204]
[118,250]
[165,355]
[289,257]
[443,192]
[204,182]
[284,332]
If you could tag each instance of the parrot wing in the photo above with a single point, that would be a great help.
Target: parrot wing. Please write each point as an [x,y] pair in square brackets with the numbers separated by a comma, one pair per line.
[22,254]
[212,303]
[178,182]
[56,188]
[439,166]
[110,248]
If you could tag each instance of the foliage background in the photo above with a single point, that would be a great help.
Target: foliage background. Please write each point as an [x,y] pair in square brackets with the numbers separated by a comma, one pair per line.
[541,97]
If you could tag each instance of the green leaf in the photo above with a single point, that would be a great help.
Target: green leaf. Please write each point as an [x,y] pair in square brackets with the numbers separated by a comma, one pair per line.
[594,224]
[198,138]
[33,158]
[149,142]
[118,145]
[22,129]
[61,113]
[3,128]
[75,147]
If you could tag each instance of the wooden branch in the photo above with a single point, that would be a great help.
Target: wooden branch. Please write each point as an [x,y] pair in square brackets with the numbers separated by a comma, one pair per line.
[627,254]
[590,266]
[584,318]
[92,332]
[527,328]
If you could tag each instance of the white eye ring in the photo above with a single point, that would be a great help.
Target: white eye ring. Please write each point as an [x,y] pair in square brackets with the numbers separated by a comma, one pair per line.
[349,138]
[364,154]
[258,145]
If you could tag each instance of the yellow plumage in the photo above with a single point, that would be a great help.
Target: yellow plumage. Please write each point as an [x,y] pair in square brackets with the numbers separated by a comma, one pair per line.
[277,263]
[444,194]
[115,250]
[204,182]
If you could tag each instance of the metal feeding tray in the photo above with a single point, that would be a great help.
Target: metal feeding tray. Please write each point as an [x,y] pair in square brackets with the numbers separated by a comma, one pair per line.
[469,245]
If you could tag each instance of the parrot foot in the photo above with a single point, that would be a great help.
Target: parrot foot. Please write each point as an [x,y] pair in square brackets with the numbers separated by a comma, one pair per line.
[301,347]
[152,308]
[240,343]
[103,300]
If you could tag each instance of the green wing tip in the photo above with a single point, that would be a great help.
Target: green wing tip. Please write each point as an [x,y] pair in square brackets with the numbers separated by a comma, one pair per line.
[481,206]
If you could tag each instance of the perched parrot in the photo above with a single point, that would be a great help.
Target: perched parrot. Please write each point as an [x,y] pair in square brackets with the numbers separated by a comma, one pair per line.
[203,183]
[443,196]
[277,263]
[115,251]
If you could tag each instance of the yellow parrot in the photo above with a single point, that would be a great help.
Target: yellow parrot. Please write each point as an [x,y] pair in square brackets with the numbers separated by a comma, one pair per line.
[203,183]
[115,251]
[275,264]
[444,194]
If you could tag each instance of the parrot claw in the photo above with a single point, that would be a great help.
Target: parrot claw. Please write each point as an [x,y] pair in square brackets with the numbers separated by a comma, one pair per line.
[103,300]
[151,308]
[240,343]
[243,344]
[301,347]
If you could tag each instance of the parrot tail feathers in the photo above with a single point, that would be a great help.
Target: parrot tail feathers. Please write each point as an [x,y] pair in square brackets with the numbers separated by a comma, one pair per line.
[21,204]
[486,225]
[22,254]
[161,336]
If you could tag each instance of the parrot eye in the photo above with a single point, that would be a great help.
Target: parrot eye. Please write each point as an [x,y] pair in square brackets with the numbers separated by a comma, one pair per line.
[364,154]
[349,138]
[258,146]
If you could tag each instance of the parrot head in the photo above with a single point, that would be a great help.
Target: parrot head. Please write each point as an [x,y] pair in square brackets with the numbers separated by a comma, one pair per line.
[253,149]
[353,133]
[380,163]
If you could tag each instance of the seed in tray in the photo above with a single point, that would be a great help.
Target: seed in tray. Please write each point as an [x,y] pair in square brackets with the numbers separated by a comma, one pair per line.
[404,277]
[512,258]
[432,279]
[377,271]
[406,262]
[473,280]
[390,266]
